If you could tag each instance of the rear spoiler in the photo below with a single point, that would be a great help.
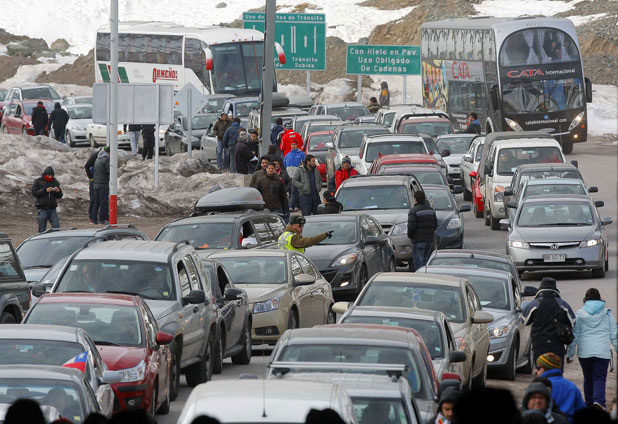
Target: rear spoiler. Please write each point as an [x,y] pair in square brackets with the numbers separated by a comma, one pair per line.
[281,368]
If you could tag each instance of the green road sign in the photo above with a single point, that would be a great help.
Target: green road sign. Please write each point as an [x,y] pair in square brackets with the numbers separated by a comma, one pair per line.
[302,36]
[383,60]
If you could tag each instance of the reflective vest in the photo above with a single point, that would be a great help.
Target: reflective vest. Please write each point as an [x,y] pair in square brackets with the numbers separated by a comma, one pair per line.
[285,242]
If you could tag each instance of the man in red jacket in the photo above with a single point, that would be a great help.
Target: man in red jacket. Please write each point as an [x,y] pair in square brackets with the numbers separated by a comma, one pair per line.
[344,172]
[286,140]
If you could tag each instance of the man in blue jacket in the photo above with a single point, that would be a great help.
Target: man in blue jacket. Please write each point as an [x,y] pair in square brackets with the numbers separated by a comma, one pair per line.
[564,392]
[291,162]
[229,142]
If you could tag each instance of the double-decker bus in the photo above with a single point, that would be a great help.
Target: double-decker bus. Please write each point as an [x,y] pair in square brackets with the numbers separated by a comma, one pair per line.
[516,73]
[216,60]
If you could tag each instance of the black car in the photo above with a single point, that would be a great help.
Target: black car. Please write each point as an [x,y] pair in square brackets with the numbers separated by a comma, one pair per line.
[357,250]
[450,231]
[176,134]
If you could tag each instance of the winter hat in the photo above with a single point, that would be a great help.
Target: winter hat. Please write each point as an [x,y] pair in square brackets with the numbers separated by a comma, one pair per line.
[549,361]
[548,283]
[242,136]
[297,219]
[450,395]
[535,387]
[328,195]
[48,171]
[346,159]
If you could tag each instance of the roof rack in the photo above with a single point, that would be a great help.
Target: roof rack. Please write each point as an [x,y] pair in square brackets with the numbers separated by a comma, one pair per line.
[52,230]
[178,245]
[112,226]
[280,368]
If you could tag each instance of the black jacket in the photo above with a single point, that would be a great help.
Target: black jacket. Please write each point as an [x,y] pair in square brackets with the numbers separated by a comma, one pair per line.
[132,127]
[541,314]
[244,154]
[221,127]
[101,169]
[422,223]
[273,192]
[331,207]
[148,131]
[58,118]
[89,165]
[46,200]
[39,117]
[472,128]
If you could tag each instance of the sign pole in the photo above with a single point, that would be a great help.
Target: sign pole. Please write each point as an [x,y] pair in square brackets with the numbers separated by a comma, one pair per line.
[113,131]
[268,71]
[156,176]
[189,122]
[359,88]
[309,83]
[405,89]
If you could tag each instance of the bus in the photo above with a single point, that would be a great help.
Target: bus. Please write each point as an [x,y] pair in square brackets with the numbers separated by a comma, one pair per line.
[216,60]
[518,74]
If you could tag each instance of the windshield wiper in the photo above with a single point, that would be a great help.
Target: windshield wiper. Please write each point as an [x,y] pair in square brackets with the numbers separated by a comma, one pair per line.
[104,343]
[37,266]
[129,293]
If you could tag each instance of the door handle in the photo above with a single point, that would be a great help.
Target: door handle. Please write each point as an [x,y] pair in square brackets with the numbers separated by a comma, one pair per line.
[195,309]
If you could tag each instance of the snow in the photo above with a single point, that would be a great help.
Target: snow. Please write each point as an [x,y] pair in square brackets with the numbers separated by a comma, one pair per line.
[580,20]
[602,112]
[514,8]
[2,49]
[26,74]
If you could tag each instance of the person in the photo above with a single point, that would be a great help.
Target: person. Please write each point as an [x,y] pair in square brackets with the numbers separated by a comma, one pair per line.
[473,125]
[264,161]
[272,154]
[133,130]
[100,209]
[325,416]
[96,418]
[485,406]
[446,406]
[292,161]
[564,392]
[39,119]
[308,182]
[548,384]
[331,205]
[550,156]
[422,224]
[46,190]
[292,238]
[385,94]
[373,107]
[274,132]
[533,416]
[538,397]
[24,411]
[148,137]
[219,129]
[542,313]
[58,119]
[345,171]
[204,419]
[286,140]
[254,145]
[89,167]
[592,415]
[507,162]
[273,190]
[243,153]
[132,416]
[283,174]
[229,142]
[594,332]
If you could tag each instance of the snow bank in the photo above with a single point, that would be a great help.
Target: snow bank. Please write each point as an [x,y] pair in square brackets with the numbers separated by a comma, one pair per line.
[512,8]
[27,74]
[181,180]
[580,20]
[602,112]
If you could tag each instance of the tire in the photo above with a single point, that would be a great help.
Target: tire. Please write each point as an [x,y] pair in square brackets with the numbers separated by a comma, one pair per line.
[479,381]
[292,320]
[69,140]
[486,217]
[598,272]
[529,367]
[217,357]
[467,195]
[244,357]
[477,213]
[93,143]
[201,372]
[510,369]
[7,318]
[391,265]
[606,265]
[567,147]
[153,402]
[164,409]
[362,277]
[495,223]
[175,370]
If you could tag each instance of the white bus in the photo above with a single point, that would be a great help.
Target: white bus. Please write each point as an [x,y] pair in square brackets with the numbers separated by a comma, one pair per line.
[216,60]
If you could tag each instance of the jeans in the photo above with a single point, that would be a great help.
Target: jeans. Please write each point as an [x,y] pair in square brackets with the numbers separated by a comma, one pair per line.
[232,150]
[92,197]
[133,139]
[294,198]
[44,215]
[100,210]
[595,376]
[223,156]
[308,204]
[59,134]
[421,251]
[148,149]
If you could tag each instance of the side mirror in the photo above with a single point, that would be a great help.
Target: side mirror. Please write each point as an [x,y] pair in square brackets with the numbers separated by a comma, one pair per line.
[457,189]
[482,317]
[508,192]
[575,163]
[111,377]
[195,297]
[588,90]
[371,240]
[599,203]
[38,290]
[529,291]
[511,205]
[232,294]
[445,153]
[457,356]
[606,220]
[164,338]
[495,102]
[593,189]
[340,307]
[464,208]
[487,169]
[329,145]
[467,158]
[505,223]
[473,174]
[304,280]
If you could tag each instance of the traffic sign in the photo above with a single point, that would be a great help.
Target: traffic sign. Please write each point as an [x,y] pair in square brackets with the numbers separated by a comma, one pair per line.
[364,59]
[195,101]
[302,36]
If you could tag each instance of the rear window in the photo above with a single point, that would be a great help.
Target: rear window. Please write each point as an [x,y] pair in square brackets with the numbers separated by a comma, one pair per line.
[317,143]
[434,129]
[39,93]
[508,159]
[393,148]
[354,138]
[348,113]
[9,268]
[211,235]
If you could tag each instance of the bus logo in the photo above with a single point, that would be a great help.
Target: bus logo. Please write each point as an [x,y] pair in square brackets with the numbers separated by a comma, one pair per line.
[460,70]
[164,74]
[524,73]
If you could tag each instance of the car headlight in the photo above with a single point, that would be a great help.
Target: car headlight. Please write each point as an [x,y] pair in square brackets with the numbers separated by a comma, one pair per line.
[136,373]
[590,243]
[398,229]
[518,244]
[345,259]
[501,331]
[267,305]
[499,193]
[575,122]
[514,125]
[454,223]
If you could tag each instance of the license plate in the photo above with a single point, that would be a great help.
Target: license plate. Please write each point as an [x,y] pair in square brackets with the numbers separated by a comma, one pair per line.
[554,258]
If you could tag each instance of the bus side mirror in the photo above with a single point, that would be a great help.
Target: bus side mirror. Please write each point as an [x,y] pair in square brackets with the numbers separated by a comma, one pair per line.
[208,55]
[588,90]
[495,103]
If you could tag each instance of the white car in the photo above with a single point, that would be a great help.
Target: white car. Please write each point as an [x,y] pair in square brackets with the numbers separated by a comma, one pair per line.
[78,100]
[97,135]
[373,146]
[265,401]
[80,115]
[470,163]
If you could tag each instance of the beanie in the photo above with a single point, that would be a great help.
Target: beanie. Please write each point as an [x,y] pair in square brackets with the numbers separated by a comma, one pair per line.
[549,361]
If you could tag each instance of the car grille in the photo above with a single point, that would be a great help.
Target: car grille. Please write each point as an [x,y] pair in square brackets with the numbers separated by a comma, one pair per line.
[454,165]
[555,246]
[386,227]
[329,274]
[567,261]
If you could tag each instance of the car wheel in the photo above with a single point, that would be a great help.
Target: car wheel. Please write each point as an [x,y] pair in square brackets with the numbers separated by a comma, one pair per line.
[175,370]
[202,371]
[168,151]
[467,194]
[244,357]
[598,272]
[477,213]
[510,369]
[7,318]
[391,265]
[606,266]
[495,223]
[93,143]
[486,217]
[217,358]
[479,381]
[362,277]
[70,141]
[153,402]
[165,406]
[529,367]
[292,320]
[567,147]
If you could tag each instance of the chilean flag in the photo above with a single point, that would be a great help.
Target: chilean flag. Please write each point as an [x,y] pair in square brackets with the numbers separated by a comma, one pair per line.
[79,362]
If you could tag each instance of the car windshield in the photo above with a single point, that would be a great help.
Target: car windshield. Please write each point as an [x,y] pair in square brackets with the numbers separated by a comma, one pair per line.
[317,142]
[209,235]
[348,113]
[353,138]
[542,175]
[445,299]
[53,273]
[39,93]
[237,67]
[201,122]
[45,252]
[429,330]
[243,109]
[319,126]
[343,232]
[434,129]
[354,353]
[9,266]
[467,262]
[373,197]
[551,189]
[393,148]
[440,200]
[37,351]
[150,280]
[80,112]
[64,397]
[105,324]
[565,214]
[83,100]
[214,105]
[456,145]
[49,106]
[510,158]
[492,292]
[256,270]
[377,410]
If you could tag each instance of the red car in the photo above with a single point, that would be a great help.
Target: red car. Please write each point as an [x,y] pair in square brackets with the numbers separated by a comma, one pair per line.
[126,334]
[478,204]
[400,160]
[16,118]
[316,145]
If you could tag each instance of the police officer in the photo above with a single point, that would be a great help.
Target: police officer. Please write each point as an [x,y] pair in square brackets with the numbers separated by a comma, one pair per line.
[292,238]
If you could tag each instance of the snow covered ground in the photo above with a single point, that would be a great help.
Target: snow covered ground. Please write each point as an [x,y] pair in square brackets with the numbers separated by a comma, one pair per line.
[602,112]
[523,7]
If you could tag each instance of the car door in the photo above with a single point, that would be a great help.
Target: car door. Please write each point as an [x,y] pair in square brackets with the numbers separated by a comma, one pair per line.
[158,355]
[371,252]
[262,232]
[235,310]
[104,393]
[467,167]
[301,294]
[192,340]
[200,311]
[10,119]
[480,336]
[315,302]
[524,330]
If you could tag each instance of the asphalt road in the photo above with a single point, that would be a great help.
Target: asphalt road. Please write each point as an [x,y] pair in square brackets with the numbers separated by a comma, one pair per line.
[598,166]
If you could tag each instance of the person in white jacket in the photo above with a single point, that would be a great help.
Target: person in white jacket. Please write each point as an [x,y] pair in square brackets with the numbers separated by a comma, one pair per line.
[595,331]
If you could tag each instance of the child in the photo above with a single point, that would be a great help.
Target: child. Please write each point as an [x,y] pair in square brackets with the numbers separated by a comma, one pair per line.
[446,407]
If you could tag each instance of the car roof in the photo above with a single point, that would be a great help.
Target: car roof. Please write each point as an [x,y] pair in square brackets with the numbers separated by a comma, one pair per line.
[83,232]
[311,134]
[91,298]
[41,372]
[357,385]
[411,168]
[219,217]
[346,333]
[531,142]
[354,127]
[399,136]
[543,198]
[136,250]
[342,104]
[423,279]
[407,157]
[457,135]
[316,118]
[242,99]
[398,312]
[40,332]
[431,118]
[250,253]
[332,217]
[468,253]
[440,187]
[556,181]
[78,105]
[531,167]
[479,272]
[378,179]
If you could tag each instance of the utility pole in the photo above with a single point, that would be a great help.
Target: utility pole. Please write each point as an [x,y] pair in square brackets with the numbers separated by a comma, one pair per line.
[268,70]
[113,118]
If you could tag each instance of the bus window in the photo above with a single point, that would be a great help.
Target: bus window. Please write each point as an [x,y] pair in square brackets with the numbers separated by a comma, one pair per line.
[519,49]
[442,37]
[228,68]
[425,43]
[556,46]
[102,45]
[450,44]
[433,43]
[195,59]
[477,47]
[468,44]
[489,54]
[252,57]
[543,95]
[459,44]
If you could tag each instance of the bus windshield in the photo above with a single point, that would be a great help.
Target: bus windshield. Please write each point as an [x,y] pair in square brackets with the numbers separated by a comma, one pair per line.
[543,95]
[237,67]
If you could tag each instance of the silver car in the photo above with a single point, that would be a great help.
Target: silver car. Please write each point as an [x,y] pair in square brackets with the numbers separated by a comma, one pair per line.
[453,147]
[80,115]
[564,232]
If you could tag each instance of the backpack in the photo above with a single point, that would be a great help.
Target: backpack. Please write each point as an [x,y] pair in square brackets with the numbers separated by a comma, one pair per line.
[564,332]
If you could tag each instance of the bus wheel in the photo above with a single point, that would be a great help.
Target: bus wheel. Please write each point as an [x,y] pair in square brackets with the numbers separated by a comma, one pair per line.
[567,146]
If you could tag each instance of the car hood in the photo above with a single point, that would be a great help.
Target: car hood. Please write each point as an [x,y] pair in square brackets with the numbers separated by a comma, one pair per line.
[453,159]
[501,317]
[34,275]
[444,216]
[205,253]
[385,216]
[121,357]
[261,292]
[162,308]
[553,234]
[323,255]
[79,123]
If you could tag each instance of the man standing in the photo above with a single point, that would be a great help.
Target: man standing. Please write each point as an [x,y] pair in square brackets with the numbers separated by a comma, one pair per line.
[292,238]
[474,125]
[244,155]
[273,190]
[264,161]
[308,182]
[46,190]
[288,137]
[133,131]
[385,94]
[220,127]
[344,172]
[39,118]
[89,167]
[58,119]
[538,397]
[148,137]
[564,392]
[422,224]
[229,142]
[100,210]
[291,162]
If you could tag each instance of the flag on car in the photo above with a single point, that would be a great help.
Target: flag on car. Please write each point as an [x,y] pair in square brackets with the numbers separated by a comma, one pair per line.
[79,362]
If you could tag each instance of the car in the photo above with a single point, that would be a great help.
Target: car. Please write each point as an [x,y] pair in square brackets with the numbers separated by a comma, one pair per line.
[564,232]
[35,345]
[417,159]
[330,124]
[265,401]
[478,202]
[357,249]
[364,120]
[410,111]
[315,144]
[15,293]
[17,117]
[299,121]
[503,153]
[287,115]
[470,163]
[386,114]
[387,198]
[431,325]
[172,280]
[500,294]
[38,253]
[302,101]
[234,318]
[432,125]
[453,296]
[450,231]
[240,107]
[32,92]
[374,146]
[457,145]
[176,135]
[60,391]
[97,135]
[127,337]
[76,100]
[214,103]
[3,93]
[345,111]
[424,174]
[355,344]
[285,290]
[80,115]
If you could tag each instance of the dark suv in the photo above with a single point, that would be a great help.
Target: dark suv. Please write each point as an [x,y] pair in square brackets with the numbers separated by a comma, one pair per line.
[14,291]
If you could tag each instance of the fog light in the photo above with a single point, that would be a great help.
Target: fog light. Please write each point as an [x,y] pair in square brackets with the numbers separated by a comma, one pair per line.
[490,358]
[344,284]
[131,403]
[575,136]
[529,262]
[579,261]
